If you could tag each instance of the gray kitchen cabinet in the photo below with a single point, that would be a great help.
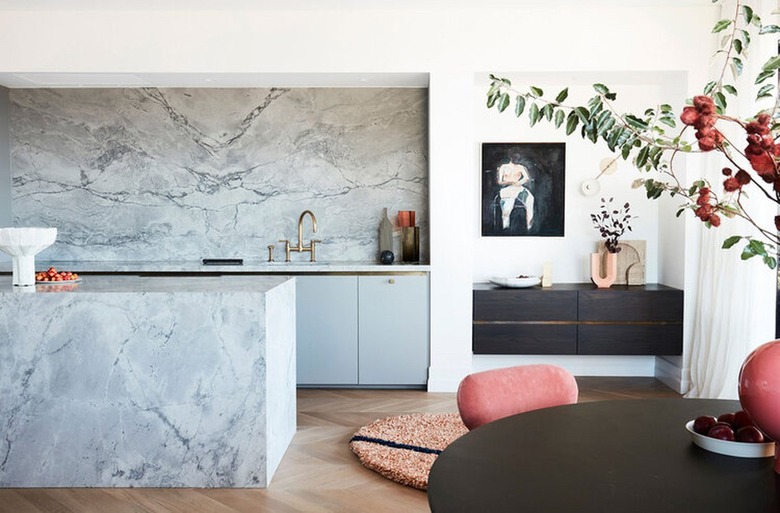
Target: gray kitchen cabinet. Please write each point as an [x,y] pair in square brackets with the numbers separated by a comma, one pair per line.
[327,330]
[370,330]
[393,330]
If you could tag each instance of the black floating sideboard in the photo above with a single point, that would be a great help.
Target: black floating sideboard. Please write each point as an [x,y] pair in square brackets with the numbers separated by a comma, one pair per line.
[578,318]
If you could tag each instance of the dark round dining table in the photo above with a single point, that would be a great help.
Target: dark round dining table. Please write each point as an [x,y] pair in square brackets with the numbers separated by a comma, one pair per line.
[621,456]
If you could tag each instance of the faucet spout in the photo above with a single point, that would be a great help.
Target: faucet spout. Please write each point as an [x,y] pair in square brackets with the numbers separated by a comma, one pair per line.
[300,227]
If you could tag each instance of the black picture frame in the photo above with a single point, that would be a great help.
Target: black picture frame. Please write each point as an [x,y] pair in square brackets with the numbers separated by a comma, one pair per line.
[507,194]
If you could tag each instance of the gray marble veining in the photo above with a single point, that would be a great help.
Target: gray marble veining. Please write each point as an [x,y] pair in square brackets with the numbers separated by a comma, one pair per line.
[177,174]
[165,388]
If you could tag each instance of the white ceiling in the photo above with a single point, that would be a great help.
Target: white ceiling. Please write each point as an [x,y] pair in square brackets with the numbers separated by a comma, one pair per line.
[33,80]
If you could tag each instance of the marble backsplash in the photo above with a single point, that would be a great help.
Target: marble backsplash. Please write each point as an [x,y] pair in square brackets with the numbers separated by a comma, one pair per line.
[181,174]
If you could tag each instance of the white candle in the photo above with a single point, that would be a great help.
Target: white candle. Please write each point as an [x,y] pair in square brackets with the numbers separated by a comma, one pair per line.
[547,275]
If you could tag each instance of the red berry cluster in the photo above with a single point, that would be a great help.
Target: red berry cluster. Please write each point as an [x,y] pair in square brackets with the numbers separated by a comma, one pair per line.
[706,211]
[761,150]
[735,183]
[702,117]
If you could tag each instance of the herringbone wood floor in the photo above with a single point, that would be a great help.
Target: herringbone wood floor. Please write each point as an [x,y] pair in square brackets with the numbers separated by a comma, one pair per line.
[318,473]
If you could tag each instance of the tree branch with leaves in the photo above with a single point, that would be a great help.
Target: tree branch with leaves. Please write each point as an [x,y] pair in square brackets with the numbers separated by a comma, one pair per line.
[652,140]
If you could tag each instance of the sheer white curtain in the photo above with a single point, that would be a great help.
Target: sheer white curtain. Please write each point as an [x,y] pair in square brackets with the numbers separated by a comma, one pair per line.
[735,299]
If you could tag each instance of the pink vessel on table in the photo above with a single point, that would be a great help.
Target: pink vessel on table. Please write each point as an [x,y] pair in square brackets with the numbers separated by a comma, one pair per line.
[759,391]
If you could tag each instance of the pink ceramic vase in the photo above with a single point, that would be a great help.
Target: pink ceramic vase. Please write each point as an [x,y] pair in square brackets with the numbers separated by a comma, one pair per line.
[603,281]
[759,391]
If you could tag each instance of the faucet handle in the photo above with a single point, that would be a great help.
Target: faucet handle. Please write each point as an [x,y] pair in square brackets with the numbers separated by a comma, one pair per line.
[311,249]
[286,249]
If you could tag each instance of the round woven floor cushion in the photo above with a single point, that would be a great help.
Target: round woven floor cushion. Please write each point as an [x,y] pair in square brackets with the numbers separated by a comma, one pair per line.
[403,448]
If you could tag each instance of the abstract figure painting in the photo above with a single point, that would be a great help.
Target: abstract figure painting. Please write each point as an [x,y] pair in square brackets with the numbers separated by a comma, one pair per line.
[523,189]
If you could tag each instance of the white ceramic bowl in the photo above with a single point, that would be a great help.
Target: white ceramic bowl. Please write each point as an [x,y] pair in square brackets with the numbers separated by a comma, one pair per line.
[738,449]
[517,283]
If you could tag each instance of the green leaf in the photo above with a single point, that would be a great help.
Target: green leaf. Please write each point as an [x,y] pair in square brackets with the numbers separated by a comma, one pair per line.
[731,241]
[612,138]
[771,262]
[668,122]
[593,103]
[593,134]
[738,65]
[772,64]
[519,105]
[503,102]
[562,95]
[721,26]
[583,114]
[769,29]
[655,155]
[506,82]
[547,111]
[533,114]
[601,88]
[746,253]
[492,100]
[636,122]
[737,46]
[720,101]
[536,91]
[571,122]
[765,91]
[606,125]
[730,89]
[745,37]
[709,88]
[626,151]
[610,96]
[757,247]
[764,75]
[641,157]
[747,12]
[559,117]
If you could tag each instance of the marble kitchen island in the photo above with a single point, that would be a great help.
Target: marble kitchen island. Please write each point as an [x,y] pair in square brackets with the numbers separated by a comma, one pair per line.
[122,381]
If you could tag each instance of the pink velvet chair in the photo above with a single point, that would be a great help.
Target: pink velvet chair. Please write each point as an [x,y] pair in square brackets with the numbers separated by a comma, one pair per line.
[491,395]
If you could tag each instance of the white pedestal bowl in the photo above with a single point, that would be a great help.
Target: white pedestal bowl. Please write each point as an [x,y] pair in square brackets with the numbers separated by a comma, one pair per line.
[22,244]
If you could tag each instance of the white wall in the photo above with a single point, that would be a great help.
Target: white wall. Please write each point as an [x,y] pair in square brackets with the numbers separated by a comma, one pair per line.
[452,44]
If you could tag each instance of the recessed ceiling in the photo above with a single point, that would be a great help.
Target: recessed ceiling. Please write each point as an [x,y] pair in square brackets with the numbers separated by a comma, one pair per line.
[39,80]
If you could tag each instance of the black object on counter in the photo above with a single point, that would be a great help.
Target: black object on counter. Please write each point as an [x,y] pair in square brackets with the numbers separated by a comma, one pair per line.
[223,261]
[386,257]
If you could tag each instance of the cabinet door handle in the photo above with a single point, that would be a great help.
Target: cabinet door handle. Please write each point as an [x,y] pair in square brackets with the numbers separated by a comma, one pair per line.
[391,281]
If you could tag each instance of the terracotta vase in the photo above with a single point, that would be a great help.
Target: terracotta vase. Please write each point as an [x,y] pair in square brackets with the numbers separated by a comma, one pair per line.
[605,280]
[759,391]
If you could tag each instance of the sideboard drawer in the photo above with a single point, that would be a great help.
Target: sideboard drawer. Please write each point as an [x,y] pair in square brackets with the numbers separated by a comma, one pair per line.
[510,338]
[525,305]
[629,339]
[630,305]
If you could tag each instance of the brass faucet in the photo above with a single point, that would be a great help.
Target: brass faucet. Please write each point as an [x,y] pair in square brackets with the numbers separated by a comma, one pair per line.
[300,248]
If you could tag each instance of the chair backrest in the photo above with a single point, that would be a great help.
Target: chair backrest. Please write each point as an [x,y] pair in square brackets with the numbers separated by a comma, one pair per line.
[491,395]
